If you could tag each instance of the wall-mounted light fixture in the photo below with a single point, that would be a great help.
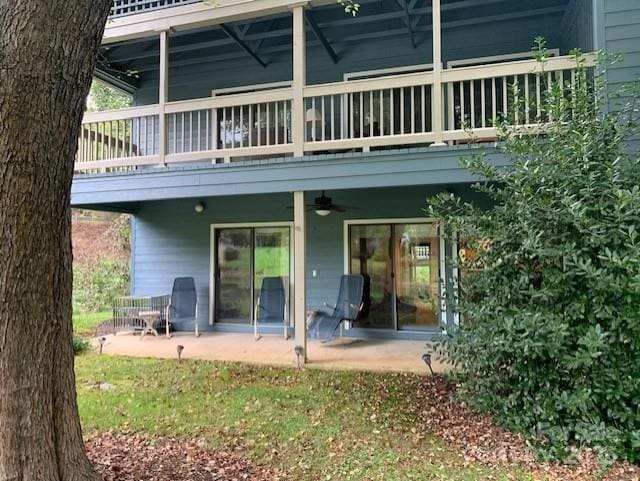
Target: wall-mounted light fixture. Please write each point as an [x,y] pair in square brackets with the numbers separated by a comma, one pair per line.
[199,207]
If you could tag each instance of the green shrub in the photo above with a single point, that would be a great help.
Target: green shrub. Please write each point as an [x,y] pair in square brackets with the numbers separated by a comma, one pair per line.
[80,345]
[550,295]
[97,283]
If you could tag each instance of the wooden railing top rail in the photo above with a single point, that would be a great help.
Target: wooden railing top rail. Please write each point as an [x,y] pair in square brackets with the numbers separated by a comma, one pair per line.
[231,100]
[120,114]
[387,82]
[521,67]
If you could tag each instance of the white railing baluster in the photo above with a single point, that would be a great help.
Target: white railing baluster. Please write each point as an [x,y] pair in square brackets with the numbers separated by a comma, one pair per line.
[483,100]
[333,122]
[527,106]
[381,119]
[413,110]
[392,124]
[516,98]
[351,109]
[494,113]
[313,119]
[472,102]
[361,109]
[538,99]
[268,123]
[323,123]
[423,109]
[505,97]
[182,134]
[401,110]
[462,106]
[371,122]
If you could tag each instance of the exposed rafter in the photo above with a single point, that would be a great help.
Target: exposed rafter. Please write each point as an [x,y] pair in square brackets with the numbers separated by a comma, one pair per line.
[321,36]
[242,44]
[407,19]
[120,82]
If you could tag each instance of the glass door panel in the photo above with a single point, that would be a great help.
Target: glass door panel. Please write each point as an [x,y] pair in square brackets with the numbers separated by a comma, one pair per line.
[234,276]
[272,257]
[370,255]
[417,275]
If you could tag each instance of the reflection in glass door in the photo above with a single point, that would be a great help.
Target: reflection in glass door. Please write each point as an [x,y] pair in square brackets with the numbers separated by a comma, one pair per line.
[401,265]
[370,256]
[234,278]
[417,275]
[244,257]
[272,258]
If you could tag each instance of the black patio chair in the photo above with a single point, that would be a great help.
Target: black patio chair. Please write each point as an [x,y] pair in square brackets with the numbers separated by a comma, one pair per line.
[271,306]
[347,308]
[183,305]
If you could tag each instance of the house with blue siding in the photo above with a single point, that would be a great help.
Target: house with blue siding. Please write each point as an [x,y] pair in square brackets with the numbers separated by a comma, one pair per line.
[286,138]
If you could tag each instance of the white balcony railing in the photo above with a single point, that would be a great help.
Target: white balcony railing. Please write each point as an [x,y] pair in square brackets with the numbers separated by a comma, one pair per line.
[121,8]
[342,116]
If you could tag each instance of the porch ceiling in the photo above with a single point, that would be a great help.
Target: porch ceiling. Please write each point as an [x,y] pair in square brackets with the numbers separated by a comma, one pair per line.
[264,37]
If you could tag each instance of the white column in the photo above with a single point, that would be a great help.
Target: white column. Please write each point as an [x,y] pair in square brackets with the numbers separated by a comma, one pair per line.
[437,95]
[163,92]
[299,79]
[300,272]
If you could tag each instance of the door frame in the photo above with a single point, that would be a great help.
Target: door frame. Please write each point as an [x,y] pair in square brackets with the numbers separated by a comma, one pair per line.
[347,223]
[213,253]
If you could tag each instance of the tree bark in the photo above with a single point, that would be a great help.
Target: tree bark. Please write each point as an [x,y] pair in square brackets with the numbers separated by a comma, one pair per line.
[47,55]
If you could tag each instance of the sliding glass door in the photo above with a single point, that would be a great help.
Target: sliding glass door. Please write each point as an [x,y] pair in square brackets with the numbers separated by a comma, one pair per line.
[401,265]
[245,256]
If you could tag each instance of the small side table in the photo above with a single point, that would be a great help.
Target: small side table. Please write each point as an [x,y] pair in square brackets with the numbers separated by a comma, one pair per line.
[150,318]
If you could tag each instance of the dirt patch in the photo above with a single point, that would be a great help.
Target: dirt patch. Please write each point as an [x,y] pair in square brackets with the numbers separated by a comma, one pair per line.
[101,238]
[481,440]
[131,457]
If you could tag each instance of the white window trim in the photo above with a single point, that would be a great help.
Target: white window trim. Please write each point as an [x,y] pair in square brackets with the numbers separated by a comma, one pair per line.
[400,220]
[213,253]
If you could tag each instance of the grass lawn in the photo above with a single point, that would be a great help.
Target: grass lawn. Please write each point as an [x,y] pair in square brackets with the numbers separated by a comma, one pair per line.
[84,324]
[318,425]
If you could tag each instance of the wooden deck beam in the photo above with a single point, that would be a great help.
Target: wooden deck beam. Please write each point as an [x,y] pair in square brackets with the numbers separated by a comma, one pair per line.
[242,44]
[321,36]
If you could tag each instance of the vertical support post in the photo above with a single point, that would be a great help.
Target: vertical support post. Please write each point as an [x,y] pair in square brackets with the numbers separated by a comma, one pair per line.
[163,93]
[299,79]
[437,110]
[300,272]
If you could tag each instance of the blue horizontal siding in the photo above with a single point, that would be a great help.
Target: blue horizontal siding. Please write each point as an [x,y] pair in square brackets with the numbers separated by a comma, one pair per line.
[619,29]
[172,240]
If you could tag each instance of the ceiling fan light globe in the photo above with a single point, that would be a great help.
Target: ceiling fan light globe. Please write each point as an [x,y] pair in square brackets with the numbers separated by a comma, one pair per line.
[323,212]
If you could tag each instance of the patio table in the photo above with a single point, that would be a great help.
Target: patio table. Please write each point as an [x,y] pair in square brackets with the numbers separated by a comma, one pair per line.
[150,318]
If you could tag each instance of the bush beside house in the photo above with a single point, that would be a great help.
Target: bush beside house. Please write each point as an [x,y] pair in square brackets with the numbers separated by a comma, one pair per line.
[550,279]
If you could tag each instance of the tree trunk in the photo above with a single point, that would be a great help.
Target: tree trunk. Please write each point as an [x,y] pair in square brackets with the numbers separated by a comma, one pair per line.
[47,54]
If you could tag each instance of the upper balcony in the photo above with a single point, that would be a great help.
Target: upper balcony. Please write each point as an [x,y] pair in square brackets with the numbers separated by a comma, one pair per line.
[270,78]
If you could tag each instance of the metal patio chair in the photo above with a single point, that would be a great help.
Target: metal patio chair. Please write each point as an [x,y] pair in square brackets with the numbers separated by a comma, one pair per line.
[183,304]
[272,305]
[347,308]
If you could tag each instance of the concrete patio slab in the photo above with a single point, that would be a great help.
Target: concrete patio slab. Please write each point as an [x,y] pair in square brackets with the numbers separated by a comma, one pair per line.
[354,354]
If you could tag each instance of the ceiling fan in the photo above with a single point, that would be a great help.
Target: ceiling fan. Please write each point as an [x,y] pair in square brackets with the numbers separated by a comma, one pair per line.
[323,206]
